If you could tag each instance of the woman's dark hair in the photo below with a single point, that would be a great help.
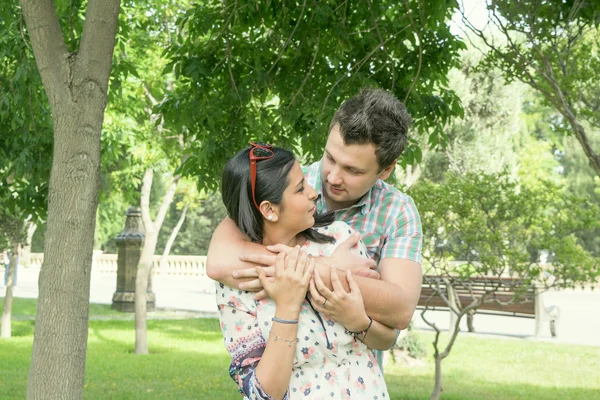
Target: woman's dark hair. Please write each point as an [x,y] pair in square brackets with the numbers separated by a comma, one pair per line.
[272,178]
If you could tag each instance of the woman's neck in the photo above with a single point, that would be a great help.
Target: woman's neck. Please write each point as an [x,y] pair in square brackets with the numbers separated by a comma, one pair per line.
[274,235]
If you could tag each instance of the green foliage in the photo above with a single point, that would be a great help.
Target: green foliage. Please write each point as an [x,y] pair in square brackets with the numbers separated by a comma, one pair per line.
[411,343]
[486,137]
[553,47]
[499,226]
[276,71]
[25,122]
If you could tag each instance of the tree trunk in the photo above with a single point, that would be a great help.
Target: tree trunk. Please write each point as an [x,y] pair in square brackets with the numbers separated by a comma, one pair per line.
[438,388]
[5,330]
[26,254]
[163,259]
[76,85]
[144,271]
[141,289]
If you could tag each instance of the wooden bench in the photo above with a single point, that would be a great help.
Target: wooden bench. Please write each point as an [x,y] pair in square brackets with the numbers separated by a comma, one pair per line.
[499,301]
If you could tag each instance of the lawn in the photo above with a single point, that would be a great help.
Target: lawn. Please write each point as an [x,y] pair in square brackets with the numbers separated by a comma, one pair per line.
[188,361]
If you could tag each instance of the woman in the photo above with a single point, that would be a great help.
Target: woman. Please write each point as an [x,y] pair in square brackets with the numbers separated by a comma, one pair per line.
[282,347]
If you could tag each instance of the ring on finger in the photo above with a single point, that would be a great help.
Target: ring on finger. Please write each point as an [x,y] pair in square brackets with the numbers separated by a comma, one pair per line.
[323,305]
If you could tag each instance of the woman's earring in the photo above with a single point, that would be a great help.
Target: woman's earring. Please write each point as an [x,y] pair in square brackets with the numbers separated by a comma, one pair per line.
[270,217]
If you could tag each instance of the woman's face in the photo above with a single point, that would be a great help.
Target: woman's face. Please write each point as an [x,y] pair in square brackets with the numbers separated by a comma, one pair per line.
[298,205]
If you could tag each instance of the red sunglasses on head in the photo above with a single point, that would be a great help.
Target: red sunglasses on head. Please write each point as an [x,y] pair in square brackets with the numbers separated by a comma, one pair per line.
[259,151]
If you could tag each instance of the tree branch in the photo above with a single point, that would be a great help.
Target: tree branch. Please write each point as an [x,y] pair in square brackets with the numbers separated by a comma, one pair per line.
[312,63]
[418,33]
[288,39]
[145,199]
[49,47]
[98,41]
[166,202]
[358,65]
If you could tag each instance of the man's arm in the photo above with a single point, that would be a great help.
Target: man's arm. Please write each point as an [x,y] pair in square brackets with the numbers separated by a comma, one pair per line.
[228,243]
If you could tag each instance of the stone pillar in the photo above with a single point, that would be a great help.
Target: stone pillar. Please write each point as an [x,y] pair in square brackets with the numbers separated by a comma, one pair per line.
[129,243]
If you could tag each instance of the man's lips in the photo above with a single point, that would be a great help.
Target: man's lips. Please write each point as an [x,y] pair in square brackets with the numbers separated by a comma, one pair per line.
[335,190]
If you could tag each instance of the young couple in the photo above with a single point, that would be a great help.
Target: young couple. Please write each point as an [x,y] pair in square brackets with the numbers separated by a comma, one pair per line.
[318,234]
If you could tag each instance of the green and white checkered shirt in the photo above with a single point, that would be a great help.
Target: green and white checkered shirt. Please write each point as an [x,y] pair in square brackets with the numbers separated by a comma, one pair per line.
[386,218]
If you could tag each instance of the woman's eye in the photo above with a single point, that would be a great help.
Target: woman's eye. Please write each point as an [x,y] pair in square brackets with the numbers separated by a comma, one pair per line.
[301,190]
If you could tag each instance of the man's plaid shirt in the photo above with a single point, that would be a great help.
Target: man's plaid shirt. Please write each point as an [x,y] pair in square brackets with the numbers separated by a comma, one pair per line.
[386,218]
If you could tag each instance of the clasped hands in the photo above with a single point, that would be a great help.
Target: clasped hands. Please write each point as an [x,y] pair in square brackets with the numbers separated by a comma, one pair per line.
[337,303]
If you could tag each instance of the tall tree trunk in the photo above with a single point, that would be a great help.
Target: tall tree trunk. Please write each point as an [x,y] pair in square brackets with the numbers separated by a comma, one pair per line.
[76,85]
[144,271]
[173,236]
[5,330]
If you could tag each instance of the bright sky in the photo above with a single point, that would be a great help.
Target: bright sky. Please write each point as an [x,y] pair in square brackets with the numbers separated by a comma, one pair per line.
[475,11]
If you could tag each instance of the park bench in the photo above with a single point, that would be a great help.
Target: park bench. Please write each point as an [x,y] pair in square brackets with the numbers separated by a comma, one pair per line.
[501,302]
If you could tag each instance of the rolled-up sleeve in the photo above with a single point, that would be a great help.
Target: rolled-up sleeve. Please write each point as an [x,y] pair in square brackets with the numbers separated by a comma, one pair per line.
[245,343]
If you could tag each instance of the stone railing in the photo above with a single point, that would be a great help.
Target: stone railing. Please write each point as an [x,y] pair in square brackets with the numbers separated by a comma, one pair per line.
[175,265]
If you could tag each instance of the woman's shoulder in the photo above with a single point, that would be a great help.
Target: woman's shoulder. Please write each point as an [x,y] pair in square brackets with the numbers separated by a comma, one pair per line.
[341,231]
[336,228]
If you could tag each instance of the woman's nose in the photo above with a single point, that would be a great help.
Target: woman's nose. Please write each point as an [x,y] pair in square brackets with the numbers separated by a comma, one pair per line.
[312,193]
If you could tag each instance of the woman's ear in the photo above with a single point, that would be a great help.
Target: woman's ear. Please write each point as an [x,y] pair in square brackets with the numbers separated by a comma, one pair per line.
[269,211]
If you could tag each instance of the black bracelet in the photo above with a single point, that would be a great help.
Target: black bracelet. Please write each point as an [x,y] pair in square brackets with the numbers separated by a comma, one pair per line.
[362,332]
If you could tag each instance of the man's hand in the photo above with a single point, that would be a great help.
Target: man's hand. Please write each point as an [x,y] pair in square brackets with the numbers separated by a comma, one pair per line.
[365,273]
[343,259]
[264,261]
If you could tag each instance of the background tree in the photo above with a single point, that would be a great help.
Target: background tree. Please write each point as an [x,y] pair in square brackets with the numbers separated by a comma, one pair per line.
[276,71]
[552,47]
[76,82]
[497,226]
[201,221]
[12,234]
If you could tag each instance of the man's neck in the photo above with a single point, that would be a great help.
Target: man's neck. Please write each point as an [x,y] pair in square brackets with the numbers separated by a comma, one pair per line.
[335,206]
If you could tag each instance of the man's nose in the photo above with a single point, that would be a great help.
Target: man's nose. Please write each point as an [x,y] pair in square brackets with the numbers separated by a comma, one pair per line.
[334,177]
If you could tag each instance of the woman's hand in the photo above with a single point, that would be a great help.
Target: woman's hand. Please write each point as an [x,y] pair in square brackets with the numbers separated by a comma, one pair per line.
[292,275]
[343,307]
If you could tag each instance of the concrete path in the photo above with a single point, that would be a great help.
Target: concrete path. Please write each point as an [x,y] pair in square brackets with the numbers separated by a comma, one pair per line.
[579,309]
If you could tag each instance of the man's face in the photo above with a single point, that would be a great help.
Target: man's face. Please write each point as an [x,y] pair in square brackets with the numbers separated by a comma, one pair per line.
[348,171]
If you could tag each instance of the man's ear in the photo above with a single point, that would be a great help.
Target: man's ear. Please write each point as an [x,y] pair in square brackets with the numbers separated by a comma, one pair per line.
[383,175]
[269,211]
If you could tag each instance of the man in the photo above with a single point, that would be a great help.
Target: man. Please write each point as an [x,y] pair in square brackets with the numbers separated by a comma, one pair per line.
[366,136]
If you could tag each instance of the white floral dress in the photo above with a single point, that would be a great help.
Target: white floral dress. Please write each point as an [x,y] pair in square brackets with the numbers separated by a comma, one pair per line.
[329,363]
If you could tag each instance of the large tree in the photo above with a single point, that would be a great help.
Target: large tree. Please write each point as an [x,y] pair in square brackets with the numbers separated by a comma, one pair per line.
[76,83]
[553,47]
[277,70]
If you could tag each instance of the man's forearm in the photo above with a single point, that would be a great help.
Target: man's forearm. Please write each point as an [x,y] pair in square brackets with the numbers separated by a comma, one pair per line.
[226,246]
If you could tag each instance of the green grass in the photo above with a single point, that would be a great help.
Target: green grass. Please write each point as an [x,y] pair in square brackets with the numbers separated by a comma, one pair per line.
[26,308]
[188,361]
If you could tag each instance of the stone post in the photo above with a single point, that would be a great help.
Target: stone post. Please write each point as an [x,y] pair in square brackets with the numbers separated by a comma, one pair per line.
[129,243]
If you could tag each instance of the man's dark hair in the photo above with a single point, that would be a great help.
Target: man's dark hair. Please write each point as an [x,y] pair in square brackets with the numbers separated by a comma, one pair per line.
[272,178]
[374,116]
